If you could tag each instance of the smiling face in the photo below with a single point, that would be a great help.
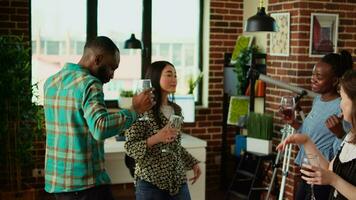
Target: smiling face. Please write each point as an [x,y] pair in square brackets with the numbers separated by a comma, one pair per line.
[168,80]
[323,79]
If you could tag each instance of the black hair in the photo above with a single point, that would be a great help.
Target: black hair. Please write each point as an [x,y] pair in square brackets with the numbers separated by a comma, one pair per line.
[154,72]
[340,63]
[102,43]
[348,84]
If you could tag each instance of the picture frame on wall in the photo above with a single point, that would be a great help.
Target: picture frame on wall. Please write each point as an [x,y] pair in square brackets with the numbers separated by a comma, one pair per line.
[323,34]
[242,42]
[279,41]
[238,107]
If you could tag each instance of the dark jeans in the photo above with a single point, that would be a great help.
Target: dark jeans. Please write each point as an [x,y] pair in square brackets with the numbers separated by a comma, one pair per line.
[130,164]
[304,191]
[147,191]
[102,192]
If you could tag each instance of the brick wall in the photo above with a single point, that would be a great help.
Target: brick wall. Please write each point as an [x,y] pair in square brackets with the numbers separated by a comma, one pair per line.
[296,68]
[225,26]
[14,18]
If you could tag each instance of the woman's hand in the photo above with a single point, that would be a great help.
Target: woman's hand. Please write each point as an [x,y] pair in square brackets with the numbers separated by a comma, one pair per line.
[167,134]
[317,175]
[334,124]
[197,173]
[293,122]
[296,138]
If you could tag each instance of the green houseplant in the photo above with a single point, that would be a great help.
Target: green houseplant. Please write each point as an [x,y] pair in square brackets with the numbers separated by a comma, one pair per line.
[125,100]
[241,67]
[21,119]
[126,93]
[260,130]
[192,83]
[260,126]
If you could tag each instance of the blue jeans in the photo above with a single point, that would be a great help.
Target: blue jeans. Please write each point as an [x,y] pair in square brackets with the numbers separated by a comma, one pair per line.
[147,191]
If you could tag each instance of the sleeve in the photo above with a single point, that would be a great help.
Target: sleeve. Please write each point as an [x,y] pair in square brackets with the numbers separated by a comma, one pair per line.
[188,160]
[136,136]
[336,147]
[101,123]
[301,128]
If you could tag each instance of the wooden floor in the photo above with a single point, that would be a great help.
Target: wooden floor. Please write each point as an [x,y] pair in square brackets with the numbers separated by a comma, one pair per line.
[123,192]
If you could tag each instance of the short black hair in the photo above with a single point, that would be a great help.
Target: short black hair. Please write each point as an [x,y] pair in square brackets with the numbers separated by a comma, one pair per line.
[103,43]
[340,63]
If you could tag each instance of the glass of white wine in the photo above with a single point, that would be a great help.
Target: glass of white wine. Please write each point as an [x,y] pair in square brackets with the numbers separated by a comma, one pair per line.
[313,160]
[175,121]
[141,86]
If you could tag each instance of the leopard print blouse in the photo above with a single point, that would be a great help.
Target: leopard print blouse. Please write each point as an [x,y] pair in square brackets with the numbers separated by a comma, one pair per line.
[165,170]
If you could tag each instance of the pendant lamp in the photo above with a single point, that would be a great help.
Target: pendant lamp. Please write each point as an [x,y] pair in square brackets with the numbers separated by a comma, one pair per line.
[133,43]
[261,21]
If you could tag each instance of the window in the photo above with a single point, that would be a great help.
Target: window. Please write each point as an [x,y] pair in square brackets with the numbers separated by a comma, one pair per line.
[113,22]
[176,32]
[57,29]
[59,32]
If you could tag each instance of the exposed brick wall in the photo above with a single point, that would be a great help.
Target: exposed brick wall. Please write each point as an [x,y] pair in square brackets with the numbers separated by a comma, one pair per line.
[15,18]
[296,68]
[225,26]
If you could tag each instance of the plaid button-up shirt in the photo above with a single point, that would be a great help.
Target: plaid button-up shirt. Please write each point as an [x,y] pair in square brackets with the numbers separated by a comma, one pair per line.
[77,122]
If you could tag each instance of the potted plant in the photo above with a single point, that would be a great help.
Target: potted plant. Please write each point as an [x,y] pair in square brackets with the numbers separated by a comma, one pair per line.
[259,130]
[187,101]
[241,68]
[193,83]
[125,99]
[21,119]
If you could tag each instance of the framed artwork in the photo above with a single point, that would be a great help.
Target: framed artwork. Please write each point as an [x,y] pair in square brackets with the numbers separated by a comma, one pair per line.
[242,42]
[323,34]
[279,41]
[239,106]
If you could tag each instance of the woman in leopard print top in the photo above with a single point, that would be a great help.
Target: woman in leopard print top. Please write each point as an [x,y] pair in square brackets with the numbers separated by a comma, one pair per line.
[160,174]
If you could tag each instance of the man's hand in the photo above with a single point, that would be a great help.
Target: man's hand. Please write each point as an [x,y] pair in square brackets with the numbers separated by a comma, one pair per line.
[334,124]
[143,101]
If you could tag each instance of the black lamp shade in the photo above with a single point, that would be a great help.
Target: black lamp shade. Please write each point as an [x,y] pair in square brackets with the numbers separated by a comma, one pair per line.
[261,22]
[132,43]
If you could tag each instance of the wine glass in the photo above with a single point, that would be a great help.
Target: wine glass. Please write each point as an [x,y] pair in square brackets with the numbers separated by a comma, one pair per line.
[313,160]
[287,107]
[175,121]
[141,86]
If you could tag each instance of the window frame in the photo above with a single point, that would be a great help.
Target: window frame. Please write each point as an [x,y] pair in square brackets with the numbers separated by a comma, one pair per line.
[146,55]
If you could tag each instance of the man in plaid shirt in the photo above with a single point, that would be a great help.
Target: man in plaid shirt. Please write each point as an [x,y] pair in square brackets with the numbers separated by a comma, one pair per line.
[78,122]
